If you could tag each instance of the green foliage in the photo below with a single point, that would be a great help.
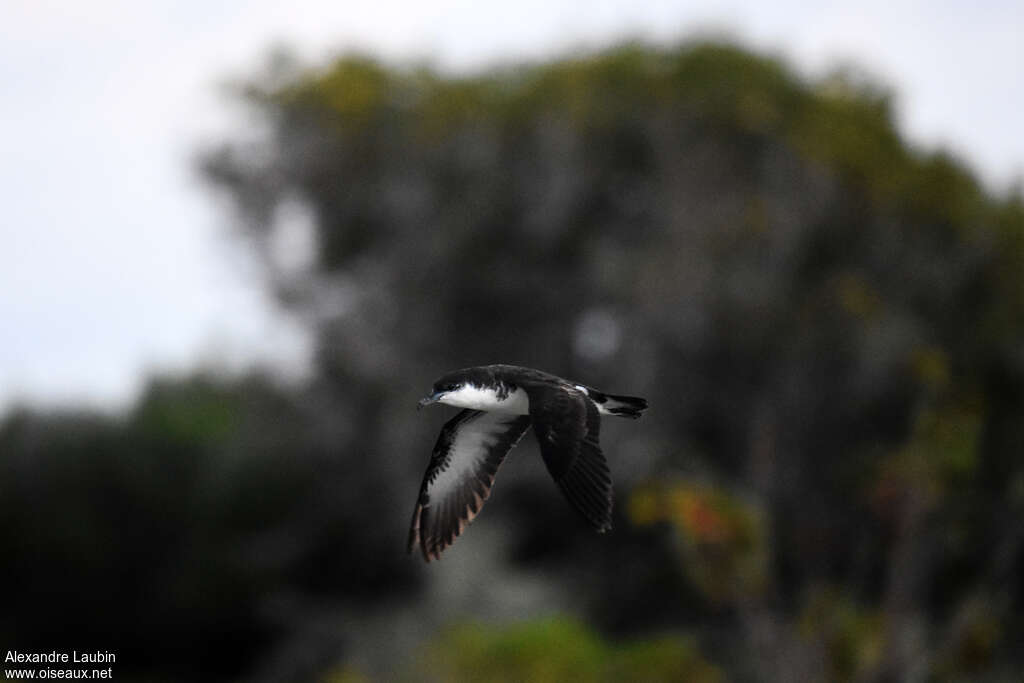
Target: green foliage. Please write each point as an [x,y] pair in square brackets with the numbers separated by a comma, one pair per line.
[560,649]
[723,539]
[852,635]
[200,412]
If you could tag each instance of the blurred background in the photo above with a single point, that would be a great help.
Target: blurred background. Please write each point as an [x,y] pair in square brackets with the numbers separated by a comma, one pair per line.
[240,241]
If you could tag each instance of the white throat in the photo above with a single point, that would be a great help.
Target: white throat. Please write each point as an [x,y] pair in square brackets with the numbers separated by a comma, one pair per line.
[485,398]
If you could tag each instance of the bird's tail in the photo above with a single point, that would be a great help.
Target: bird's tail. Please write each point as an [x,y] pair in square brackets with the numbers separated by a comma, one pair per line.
[623,406]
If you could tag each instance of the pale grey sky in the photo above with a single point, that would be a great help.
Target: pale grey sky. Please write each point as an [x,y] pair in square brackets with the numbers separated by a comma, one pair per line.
[114,261]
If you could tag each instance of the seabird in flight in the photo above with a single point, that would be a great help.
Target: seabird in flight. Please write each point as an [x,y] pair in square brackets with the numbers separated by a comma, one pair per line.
[499,402]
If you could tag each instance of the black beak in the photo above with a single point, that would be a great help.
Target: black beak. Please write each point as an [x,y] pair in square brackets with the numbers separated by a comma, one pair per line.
[430,399]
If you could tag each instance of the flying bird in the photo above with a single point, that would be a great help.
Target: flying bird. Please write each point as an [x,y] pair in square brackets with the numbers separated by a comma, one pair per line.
[499,402]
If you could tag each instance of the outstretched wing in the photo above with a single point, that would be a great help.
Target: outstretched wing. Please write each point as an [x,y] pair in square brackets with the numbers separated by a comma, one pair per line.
[460,475]
[568,427]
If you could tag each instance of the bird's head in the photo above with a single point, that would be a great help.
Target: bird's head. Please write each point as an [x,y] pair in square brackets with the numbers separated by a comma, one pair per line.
[446,385]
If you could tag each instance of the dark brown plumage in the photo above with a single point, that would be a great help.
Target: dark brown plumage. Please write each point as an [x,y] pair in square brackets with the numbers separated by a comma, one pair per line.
[500,402]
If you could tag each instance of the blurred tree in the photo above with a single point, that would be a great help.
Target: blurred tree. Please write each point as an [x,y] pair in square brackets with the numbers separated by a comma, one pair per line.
[187,537]
[827,323]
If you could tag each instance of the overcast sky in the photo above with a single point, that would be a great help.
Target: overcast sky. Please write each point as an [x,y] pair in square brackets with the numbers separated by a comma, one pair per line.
[114,260]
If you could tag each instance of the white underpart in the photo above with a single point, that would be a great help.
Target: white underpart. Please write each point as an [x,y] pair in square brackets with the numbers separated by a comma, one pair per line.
[472,441]
[470,444]
[485,398]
